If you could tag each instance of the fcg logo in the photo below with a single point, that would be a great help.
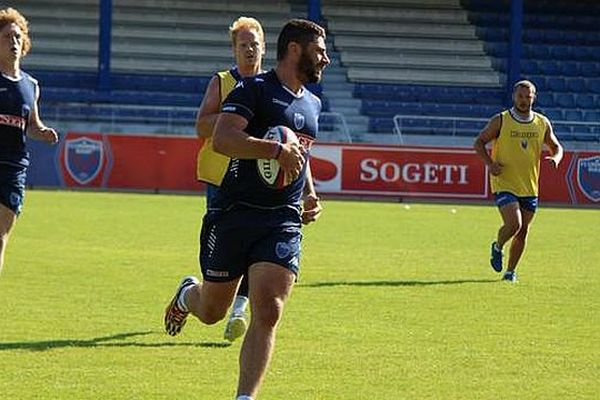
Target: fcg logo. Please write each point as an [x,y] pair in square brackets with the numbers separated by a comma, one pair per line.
[588,177]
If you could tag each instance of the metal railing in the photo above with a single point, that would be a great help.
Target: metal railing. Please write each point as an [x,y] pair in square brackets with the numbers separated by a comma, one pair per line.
[462,126]
[111,118]
[334,128]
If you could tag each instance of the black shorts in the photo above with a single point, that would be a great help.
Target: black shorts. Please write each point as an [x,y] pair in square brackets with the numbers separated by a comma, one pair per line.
[233,240]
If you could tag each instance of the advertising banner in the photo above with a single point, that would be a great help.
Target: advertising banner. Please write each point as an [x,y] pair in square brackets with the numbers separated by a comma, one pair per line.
[168,163]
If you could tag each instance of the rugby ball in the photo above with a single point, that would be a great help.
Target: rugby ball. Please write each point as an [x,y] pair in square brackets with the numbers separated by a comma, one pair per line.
[269,169]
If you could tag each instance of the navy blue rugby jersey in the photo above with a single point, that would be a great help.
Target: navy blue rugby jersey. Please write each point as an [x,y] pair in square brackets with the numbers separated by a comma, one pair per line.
[17,99]
[265,102]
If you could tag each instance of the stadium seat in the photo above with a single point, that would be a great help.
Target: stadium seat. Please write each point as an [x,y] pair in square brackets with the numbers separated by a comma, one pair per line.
[569,68]
[573,115]
[584,101]
[488,96]
[529,67]
[496,49]
[582,53]
[556,84]
[555,114]
[590,69]
[381,125]
[565,100]
[591,116]
[576,85]
[536,52]
[540,81]
[548,67]
[594,85]
[545,99]
[559,52]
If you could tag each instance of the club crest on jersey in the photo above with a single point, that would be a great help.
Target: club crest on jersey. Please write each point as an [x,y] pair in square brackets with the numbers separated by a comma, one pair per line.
[84,158]
[588,177]
[298,121]
[524,144]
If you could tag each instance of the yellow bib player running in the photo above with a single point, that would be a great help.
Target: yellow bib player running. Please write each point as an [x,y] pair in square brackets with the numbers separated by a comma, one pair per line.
[518,136]
[248,43]
[518,148]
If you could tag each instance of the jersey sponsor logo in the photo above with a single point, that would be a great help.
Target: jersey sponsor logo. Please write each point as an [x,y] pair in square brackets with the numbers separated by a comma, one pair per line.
[305,141]
[84,158]
[588,177]
[299,121]
[217,274]
[13,120]
[524,134]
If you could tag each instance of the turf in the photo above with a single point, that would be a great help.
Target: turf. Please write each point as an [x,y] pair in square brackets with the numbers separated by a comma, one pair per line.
[394,301]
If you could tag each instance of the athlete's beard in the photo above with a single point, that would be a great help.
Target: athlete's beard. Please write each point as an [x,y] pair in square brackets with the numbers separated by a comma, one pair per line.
[307,69]
[524,110]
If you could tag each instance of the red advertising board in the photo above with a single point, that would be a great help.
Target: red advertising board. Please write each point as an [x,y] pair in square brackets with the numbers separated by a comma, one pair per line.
[413,171]
[144,162]
[154,162]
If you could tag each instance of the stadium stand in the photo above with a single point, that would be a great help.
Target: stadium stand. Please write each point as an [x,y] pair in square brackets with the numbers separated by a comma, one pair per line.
[162,57]
[434,69]
[561,55]
[411,58]
[413,64]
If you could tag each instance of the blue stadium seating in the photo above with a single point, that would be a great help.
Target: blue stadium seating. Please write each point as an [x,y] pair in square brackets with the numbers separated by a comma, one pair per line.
[585,101]
[576,85]
[594,85]
[561,50]
[591,116]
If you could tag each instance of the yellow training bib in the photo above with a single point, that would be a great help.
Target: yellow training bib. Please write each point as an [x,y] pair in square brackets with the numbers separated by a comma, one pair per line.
[212,166]
[518,148]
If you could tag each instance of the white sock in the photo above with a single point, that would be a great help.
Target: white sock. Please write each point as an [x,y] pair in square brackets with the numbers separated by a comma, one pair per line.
[239,305]
[244,397]
[181,299]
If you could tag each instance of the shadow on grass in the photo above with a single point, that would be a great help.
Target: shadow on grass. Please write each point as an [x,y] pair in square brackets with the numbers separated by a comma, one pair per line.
[104,341]
[395,283]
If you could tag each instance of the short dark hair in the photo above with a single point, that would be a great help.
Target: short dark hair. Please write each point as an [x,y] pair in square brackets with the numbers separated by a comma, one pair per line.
[298,30]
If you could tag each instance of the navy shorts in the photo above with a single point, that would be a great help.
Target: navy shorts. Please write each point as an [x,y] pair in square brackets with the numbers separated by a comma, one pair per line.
[528,203]
[233,240]
[12,187]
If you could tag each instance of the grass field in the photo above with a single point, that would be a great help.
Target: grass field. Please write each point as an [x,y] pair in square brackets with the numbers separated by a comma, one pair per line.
[394,302]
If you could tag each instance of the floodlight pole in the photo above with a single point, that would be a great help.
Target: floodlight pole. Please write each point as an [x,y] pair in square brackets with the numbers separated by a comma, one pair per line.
[516,46]
[104,42]
[314,10]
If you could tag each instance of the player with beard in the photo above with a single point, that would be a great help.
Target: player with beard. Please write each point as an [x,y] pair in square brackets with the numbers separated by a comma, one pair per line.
[252,228]
[19,118]
[518,135]
[248,42]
